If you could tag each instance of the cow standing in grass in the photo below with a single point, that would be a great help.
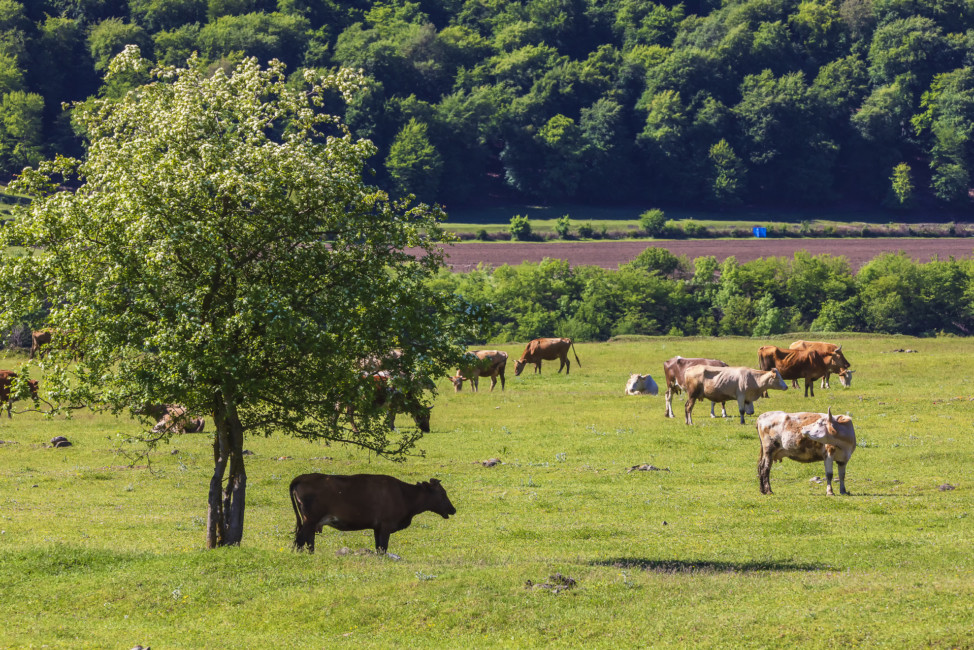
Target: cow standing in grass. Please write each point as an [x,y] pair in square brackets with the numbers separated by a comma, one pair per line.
[795,364]
[540,350]
[806,438]
[724,384]
[834,358]
[481,363]
[360,502]
[674,371]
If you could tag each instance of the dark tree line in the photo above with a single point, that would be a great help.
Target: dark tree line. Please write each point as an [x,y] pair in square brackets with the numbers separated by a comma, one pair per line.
[701,103]
[658,293]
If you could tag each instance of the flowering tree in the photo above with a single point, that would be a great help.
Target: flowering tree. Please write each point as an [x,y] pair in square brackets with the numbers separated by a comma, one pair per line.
[221,251]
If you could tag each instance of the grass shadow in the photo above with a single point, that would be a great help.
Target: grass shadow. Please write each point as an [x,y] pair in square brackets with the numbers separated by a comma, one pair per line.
[708,566]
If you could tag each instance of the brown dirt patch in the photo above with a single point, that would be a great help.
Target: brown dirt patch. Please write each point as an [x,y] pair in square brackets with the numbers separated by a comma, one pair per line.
[610,254]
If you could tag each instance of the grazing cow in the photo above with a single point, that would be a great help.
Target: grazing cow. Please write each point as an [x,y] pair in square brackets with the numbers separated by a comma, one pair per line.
[176,419]
[540,350]
[39,339]
[673,374]
[805,437]
[795,364]
[721,384]
[394,400]
[385,362]
[482,363]
[845,377]
[6,390]
[830,351]
[641,385]
[361,501]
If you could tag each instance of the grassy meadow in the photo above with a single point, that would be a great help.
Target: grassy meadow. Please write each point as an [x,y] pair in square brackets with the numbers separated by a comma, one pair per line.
[95,553]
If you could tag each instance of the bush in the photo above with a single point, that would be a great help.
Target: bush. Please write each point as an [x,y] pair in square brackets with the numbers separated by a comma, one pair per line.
[482,235]
[586,230]
[653,222]
[693,229]
[563,227]
[520,227]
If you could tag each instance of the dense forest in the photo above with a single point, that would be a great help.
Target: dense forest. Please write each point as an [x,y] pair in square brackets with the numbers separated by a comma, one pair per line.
[699,103]
[658,293]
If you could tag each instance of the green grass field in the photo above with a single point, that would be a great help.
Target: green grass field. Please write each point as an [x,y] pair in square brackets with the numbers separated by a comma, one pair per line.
[94,553]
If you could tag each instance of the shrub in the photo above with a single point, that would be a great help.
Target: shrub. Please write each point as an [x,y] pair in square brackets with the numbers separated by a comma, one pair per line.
[586,230]
[693,229]
[520,227]
[653,222]
[482,235]
[563,227]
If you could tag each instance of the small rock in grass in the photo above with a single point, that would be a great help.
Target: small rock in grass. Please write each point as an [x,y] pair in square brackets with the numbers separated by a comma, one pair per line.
[490,462]
[247,452]
[60,441]
[815,479]
[947,486]
[646,467]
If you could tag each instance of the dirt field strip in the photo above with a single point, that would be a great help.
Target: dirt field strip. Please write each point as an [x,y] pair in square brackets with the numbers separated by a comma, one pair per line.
[610,254]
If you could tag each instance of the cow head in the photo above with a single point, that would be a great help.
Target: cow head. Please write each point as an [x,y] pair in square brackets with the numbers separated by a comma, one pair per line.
[641,385]
[845,377]
[825,430]
[421,416]
[773,381]
[457,381]
[838,359]
[518,367]
[439,502]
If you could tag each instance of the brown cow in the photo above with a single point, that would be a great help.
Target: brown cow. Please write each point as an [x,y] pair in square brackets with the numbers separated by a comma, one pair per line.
[482,363]
[674,371]
[540,350]
[6,390]
[37,340]
[719,384]
[394,400]
[359,502]
[794,364]
[830,351]
[806,438]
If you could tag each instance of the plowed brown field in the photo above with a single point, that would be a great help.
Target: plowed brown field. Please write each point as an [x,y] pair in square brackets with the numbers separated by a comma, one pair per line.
[610,254]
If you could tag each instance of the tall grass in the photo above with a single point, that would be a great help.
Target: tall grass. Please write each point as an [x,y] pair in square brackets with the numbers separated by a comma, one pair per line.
[94,553]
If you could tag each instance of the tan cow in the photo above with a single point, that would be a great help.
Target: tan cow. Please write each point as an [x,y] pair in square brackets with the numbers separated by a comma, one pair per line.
[717,384]
[806,438]
[540,350]
[482,363]
[176,419]
[832,354]
[39,339]
[641,385]
[673,374]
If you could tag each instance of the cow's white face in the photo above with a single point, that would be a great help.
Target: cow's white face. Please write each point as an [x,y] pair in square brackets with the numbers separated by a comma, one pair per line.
[457,383]
[845,378]
[518,367]
[641,384]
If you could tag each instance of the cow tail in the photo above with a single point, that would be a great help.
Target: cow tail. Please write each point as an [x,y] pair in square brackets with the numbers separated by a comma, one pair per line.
[294,504]
[576,354]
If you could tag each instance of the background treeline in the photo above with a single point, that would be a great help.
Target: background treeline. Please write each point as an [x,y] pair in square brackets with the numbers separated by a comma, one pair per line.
[697,103]
[658,293]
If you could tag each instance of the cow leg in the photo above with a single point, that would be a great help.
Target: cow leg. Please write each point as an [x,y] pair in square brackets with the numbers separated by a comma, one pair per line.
[825,380]
[764,471]
[828,476]
[381,540]
[794,384]
[474,384]
[493,382]
[842,489]
[688,408]
[537,368]
[668,398]
[305,536]
[809,387]
[741,406]
[502,380]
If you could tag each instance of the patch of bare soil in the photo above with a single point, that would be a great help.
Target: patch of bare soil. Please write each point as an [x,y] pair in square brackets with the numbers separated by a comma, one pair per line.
[610,254]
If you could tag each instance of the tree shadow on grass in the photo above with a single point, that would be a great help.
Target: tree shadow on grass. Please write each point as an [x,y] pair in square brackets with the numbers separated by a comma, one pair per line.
[707,566]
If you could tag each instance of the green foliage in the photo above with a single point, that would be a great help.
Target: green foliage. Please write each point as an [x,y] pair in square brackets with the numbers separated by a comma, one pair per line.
[413,163]
[520,227]
[901,186]
[20,130]
[109,37]
[226,255]
[653,222]
[563,226]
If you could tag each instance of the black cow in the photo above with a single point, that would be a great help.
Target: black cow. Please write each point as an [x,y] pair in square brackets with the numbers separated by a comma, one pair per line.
[361,501]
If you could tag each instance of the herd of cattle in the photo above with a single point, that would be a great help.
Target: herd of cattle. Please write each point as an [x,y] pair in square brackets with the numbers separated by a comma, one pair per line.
[386,504]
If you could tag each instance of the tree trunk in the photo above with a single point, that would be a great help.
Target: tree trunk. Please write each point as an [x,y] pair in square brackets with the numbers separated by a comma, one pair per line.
[225,512]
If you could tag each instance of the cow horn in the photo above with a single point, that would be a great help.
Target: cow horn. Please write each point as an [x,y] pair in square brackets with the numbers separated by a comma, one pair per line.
[839,349]
[831,419]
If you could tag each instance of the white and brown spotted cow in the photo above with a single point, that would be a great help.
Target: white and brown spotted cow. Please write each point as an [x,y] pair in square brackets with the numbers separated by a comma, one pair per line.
[806,438]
